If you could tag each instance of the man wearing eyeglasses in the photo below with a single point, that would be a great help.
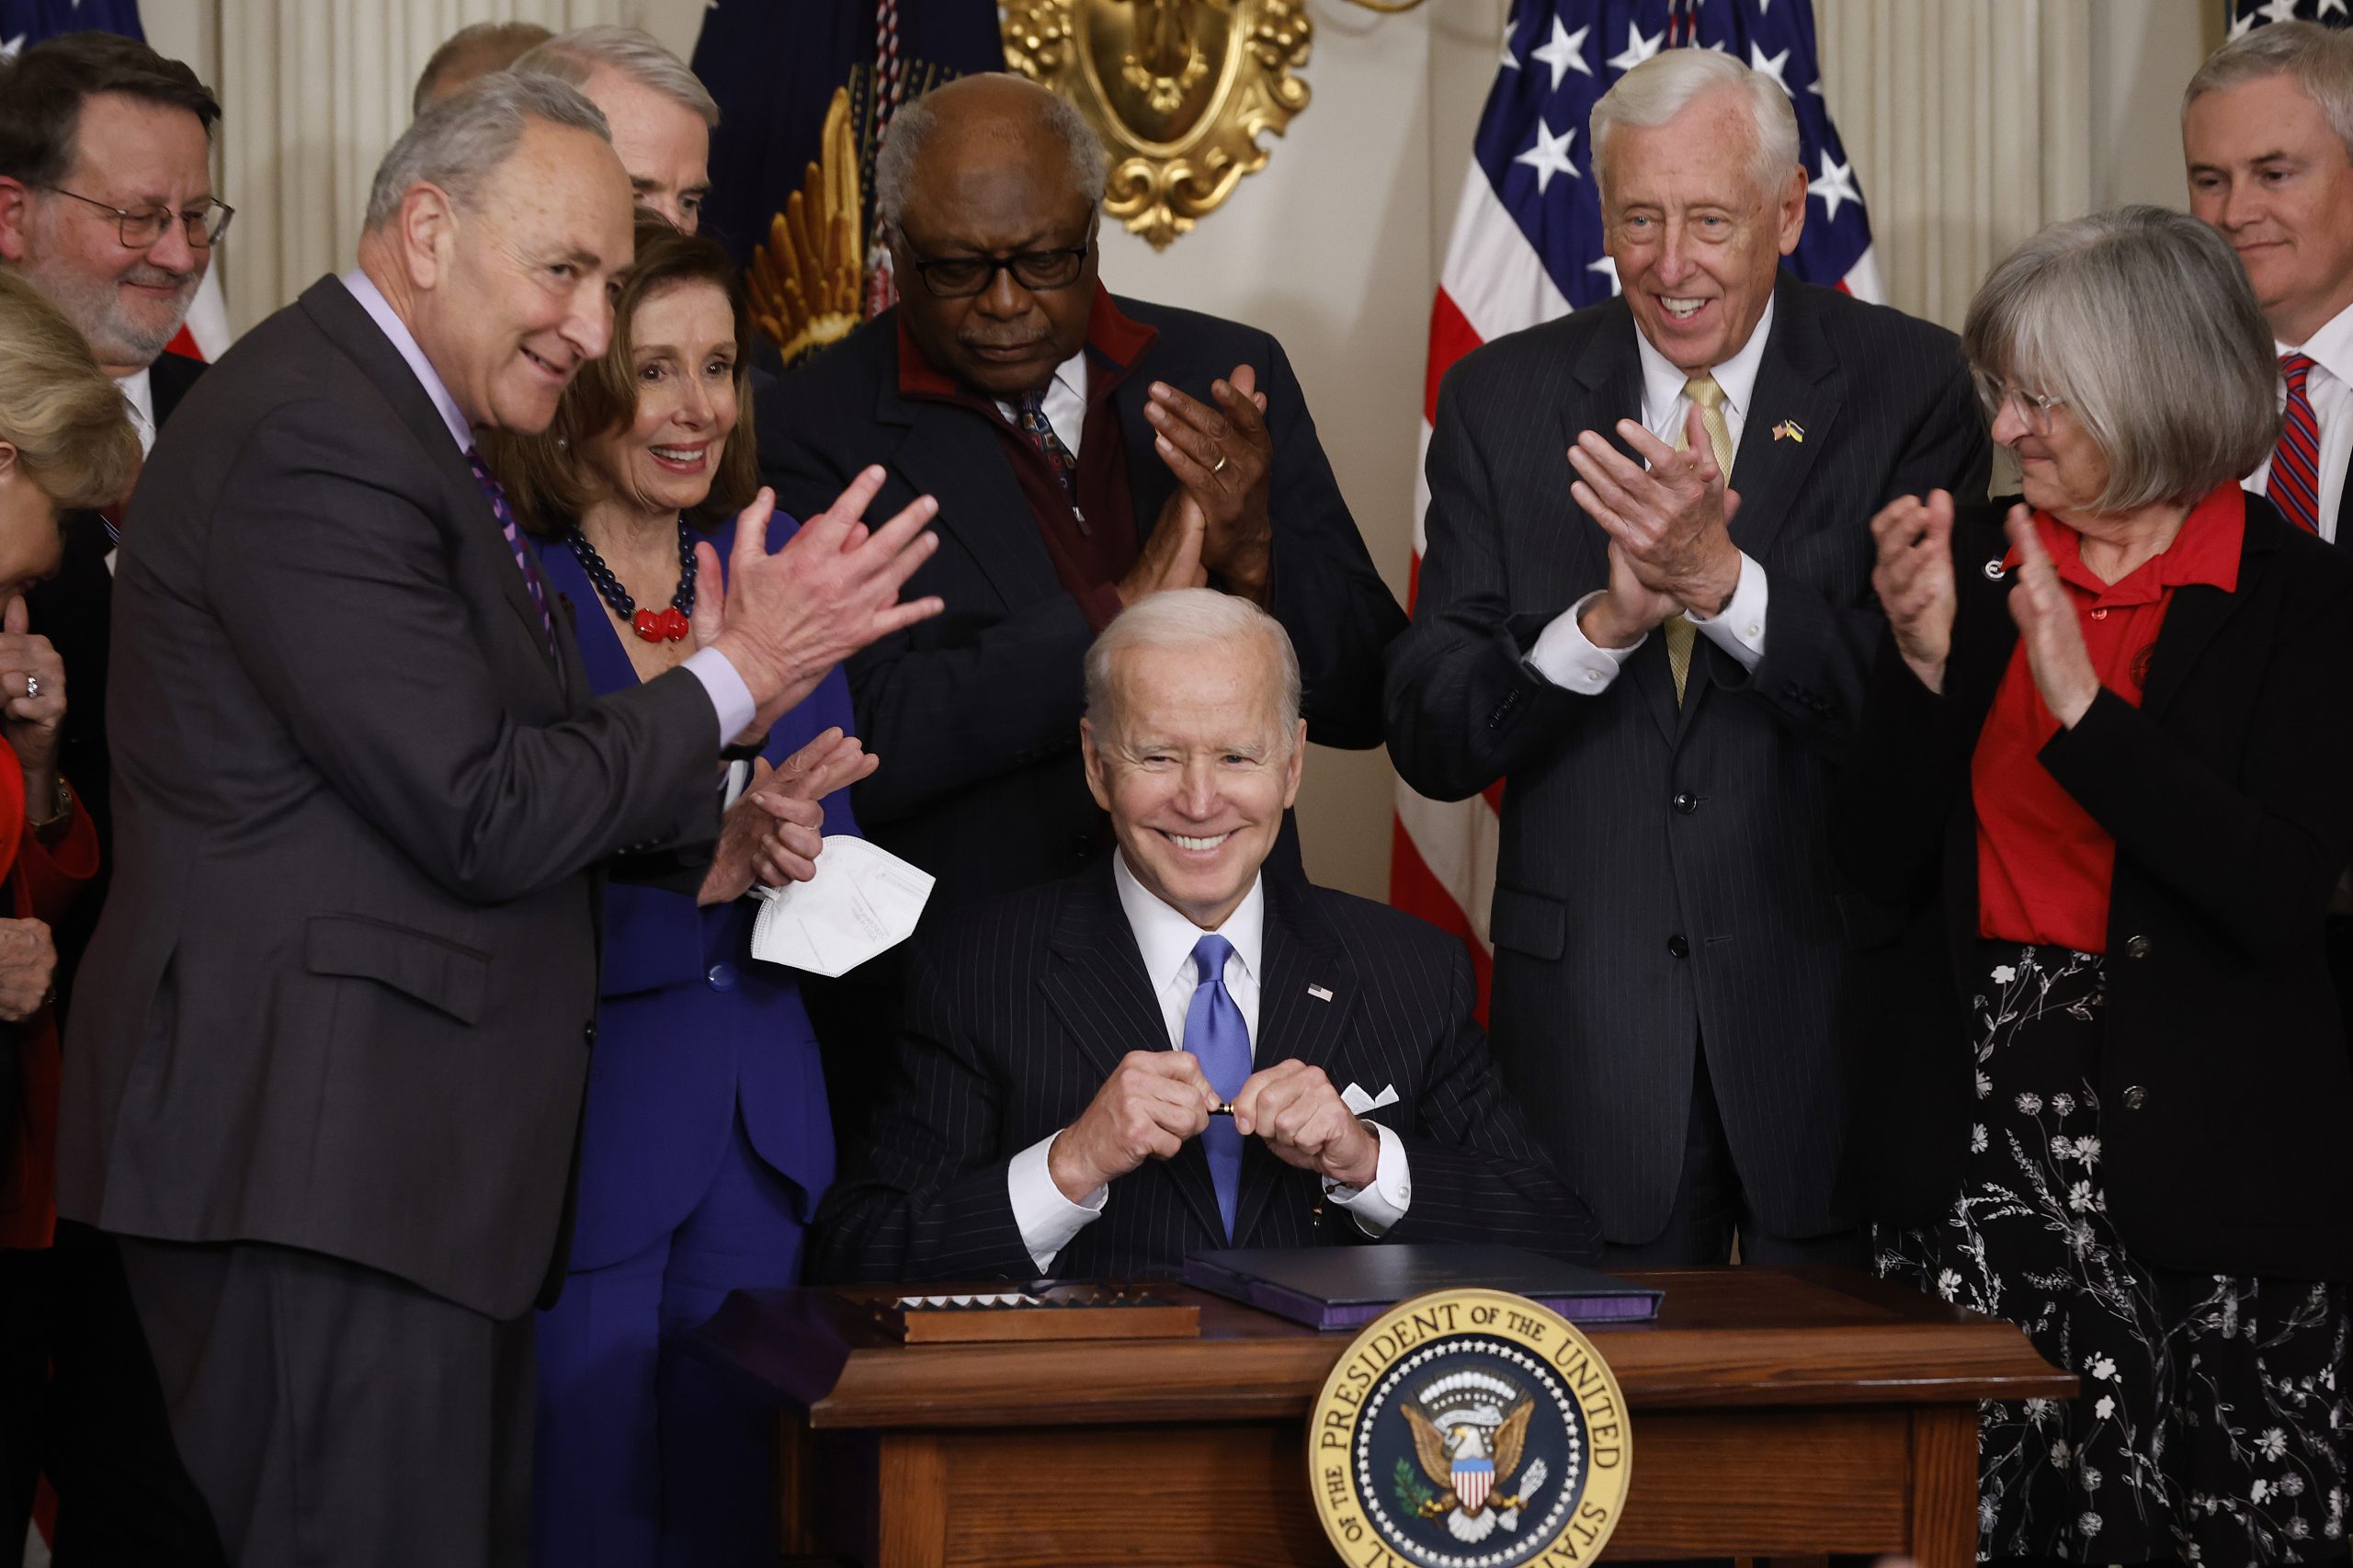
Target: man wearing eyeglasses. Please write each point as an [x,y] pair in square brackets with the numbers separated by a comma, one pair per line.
[1087,450]
[107,206]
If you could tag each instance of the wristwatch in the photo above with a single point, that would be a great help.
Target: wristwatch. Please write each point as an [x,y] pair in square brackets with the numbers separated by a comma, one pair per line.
[61,808]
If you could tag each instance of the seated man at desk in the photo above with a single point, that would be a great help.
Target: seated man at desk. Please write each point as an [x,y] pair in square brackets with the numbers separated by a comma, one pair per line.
[1170,1052]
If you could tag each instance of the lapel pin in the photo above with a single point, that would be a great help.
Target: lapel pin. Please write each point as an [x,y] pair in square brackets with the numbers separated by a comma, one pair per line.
[1321,993]
[1994,569]
[1792,429]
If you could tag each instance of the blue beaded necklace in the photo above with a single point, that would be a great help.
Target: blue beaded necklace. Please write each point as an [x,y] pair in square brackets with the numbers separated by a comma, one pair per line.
[654,626]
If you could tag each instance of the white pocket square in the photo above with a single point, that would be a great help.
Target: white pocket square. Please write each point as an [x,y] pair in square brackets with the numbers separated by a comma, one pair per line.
[1359,1102]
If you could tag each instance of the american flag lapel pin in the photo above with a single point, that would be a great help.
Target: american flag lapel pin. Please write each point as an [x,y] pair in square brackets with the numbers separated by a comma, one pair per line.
[1791,428]
[1321,993]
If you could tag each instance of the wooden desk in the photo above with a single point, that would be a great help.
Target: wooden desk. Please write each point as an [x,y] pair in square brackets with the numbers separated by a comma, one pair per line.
[1776,1413]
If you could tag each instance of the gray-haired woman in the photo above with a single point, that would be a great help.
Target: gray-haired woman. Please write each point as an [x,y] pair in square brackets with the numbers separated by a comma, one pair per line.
[2100,790]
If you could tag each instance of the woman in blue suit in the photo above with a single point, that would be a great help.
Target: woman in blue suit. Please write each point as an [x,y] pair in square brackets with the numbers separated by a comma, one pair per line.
[706,1142]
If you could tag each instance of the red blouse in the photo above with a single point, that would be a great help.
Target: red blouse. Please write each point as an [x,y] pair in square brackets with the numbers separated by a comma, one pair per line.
[2044,865]
[36,882]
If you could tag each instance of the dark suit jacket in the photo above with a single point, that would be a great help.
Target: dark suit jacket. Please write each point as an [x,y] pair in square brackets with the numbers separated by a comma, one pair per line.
[2225,793]
[1635,834]
[75,610]
[1022,1008]
[975,712]
[341,997]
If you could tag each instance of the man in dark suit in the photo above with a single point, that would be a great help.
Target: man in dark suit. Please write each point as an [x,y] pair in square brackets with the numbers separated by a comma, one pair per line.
[1069,1049]
[1087,451]
[107,206]
[1664,670]
[326,1076]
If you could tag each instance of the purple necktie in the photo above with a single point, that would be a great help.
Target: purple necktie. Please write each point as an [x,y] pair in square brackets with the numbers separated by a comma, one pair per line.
[1215,1033]
[2294,483]
[506,515]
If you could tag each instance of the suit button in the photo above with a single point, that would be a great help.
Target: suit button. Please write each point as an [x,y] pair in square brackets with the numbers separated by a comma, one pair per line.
[723,977]
[2136,946]
[1677,947]
[588,1033]
[2135,1097]
[1687,803]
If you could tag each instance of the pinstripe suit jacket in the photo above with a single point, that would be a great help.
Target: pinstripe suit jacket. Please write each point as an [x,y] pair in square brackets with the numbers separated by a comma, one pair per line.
[1020,1009]
[1663,875]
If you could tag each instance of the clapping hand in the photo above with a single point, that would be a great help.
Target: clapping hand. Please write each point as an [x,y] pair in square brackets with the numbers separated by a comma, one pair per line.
[27,969]
[1672,519]
[1914,580]
[787,618]
[1223,458]
[32,679]
[776,829]
[2045,613]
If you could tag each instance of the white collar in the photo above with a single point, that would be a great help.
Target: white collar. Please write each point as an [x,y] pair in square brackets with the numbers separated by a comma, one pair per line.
[1663,381]
[2331,347]
[1164,936]
[139,391]
[388,321]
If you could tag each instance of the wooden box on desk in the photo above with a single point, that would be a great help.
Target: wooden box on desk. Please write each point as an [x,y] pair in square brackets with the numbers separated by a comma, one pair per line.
[1776,1413]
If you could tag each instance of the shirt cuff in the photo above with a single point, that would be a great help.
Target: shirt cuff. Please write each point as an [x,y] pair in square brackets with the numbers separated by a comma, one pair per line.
[1564,655]
[1382,1204]
[728,693]
[1047,1220]
[1740,630]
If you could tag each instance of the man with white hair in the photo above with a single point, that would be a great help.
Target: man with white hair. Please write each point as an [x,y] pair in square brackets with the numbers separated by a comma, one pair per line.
[660,114]
[1173,1050]
[326,1076]
[1661,642]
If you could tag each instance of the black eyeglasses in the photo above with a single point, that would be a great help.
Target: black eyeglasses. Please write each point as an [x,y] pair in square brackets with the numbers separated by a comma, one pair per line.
[963,276]
[204,224]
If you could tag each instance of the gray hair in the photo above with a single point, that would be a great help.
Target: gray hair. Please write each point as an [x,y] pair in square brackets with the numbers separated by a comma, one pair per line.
[1190,618]
[2142,322]
[460,142]
[475,51]
[632,52]
[911,128]
[2317,59]
[1672,79]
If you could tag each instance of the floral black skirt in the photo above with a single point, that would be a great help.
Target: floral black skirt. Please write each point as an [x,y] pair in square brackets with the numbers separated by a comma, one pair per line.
[2210,1429]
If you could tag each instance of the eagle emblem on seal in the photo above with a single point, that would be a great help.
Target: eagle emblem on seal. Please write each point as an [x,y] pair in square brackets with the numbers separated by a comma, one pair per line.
[1469,1431]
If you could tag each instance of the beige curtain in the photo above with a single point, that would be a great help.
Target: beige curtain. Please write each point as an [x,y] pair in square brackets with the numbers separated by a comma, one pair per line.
[317,90]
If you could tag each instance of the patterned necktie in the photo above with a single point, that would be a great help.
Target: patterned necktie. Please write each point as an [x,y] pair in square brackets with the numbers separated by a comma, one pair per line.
[1710,399]
[1215,1033]
[2294,484]
[496,493]
[1041,431]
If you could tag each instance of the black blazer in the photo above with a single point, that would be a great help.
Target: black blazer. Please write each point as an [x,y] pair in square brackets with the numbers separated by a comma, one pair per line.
[75,610]
[342,997]
[1662,880]
[1022,1008]
[2224,1085]
[975,713]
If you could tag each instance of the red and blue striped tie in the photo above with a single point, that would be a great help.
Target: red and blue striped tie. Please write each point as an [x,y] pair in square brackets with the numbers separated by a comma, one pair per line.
[2294,485]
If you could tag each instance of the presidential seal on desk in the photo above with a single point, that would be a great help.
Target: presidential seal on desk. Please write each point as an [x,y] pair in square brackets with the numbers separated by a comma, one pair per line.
[1469,1430]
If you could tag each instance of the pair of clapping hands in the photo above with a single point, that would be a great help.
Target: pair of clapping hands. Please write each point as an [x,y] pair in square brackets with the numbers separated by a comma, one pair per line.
[1916,588]
[1155,1100]
[1217,519]
[1669,524]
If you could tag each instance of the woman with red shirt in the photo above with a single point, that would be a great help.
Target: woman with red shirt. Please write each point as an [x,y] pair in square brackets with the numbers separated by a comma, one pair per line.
[2096,802]
[65,440]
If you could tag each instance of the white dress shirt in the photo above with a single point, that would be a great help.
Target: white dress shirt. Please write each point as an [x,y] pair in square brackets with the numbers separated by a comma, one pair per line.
[1064,403]
[139,393]
[2329,384]
[1563,654]
[1165,938]
[728,693]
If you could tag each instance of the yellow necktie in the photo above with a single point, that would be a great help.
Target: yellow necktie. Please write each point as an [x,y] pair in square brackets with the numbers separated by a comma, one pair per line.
[1710,398]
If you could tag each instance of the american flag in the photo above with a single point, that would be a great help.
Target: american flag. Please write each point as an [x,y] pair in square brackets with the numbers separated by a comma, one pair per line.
[23,23]
[2248,15]
[1527,247]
